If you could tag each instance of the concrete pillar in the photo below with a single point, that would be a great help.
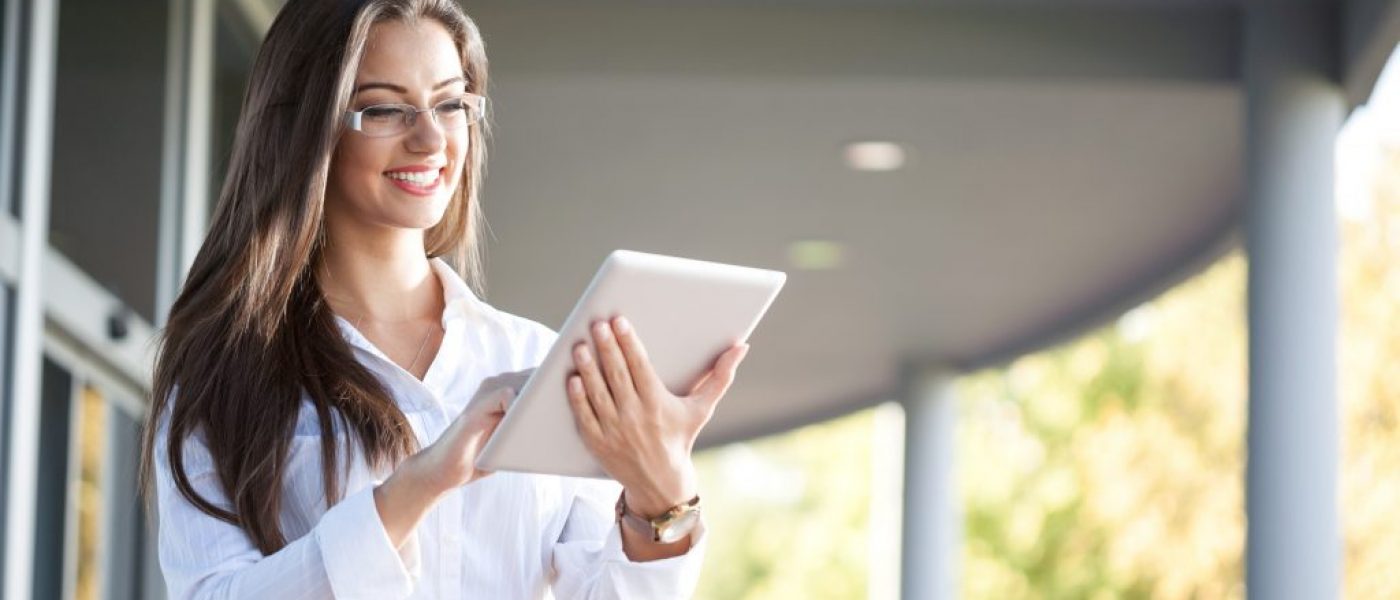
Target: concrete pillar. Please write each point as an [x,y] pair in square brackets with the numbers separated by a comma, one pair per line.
[1294,109]
[932,527]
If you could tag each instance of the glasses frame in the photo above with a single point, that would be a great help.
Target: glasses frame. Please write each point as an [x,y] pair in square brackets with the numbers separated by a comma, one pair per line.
[354,119]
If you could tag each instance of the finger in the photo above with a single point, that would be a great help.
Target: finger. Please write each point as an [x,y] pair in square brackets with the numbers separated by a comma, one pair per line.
[492,402]
[517,379]
[614,365]
[638,363]
[717,382]
[597,389]
[493,421]
[584,417]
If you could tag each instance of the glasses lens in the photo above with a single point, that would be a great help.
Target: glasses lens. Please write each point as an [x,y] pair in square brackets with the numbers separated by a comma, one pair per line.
[383,120]
[393,119]
[457,112]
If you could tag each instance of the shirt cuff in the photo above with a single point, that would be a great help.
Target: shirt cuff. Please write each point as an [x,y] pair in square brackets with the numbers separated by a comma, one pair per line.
[680,573]
[360,560]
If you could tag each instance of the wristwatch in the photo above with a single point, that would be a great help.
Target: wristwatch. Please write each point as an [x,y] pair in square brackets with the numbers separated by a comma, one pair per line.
[672,526]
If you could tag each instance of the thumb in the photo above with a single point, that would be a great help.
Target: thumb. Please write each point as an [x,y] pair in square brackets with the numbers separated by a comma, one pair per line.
[497,403]
[504,398]
[718,380]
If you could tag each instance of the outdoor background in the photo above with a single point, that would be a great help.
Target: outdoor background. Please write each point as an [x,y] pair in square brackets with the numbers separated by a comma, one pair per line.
[1111,466]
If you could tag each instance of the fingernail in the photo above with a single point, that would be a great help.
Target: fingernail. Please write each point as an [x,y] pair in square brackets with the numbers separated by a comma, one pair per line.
[581,354]
[602,330]
[622,325]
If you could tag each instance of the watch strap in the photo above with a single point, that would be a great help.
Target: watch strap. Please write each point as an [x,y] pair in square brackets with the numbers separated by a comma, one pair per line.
[651,527]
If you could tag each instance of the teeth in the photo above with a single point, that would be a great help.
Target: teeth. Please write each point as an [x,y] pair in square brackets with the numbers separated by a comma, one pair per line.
[419,178]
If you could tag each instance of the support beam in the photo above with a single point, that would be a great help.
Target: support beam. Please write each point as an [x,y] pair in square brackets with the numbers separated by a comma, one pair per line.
[1294,110]
[932,536]
[1370,31]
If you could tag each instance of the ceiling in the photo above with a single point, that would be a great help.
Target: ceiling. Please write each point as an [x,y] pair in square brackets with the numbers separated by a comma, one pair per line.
[1067,160]
[1063,166]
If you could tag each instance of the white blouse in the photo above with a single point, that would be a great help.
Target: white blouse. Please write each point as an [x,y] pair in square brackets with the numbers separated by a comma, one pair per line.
[507,536]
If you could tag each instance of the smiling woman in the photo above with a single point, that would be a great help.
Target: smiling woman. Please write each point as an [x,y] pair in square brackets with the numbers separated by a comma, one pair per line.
[326,378]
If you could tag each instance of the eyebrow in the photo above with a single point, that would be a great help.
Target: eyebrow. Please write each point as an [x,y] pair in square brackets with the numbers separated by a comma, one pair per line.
[403,90]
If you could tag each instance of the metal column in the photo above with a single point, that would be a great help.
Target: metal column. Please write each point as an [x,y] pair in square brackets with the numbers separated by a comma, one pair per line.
[932,525]
[1294,111]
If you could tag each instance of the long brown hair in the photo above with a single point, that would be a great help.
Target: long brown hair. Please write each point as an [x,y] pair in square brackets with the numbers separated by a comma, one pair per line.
[251,334]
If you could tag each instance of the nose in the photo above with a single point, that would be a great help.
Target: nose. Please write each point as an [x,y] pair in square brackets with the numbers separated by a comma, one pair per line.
[426,135]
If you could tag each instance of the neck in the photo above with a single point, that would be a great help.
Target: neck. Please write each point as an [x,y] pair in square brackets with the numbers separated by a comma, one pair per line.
[384,276]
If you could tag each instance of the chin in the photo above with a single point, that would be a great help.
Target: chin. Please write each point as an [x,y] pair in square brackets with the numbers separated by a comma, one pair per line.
[422,219]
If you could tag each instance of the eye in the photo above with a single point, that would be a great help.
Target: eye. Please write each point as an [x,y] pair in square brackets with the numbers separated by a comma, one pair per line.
[382,113]
[453,106]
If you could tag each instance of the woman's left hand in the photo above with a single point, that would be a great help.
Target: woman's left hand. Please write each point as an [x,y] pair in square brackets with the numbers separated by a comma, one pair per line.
[639,431]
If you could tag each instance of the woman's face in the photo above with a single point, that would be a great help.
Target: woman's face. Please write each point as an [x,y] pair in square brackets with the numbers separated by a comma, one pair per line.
[417,65]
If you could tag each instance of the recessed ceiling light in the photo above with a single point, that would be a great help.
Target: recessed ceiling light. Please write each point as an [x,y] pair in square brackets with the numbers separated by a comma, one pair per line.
[816,255]
[874,156]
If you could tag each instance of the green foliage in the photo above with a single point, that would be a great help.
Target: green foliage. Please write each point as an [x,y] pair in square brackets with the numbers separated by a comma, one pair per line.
[1370,382]
[788,516]
[1110,466]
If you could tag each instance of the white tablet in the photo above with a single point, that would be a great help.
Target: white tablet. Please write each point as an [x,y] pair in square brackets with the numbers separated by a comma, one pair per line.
[686,312]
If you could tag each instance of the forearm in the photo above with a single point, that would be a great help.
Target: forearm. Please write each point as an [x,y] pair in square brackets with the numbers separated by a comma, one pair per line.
[403,500]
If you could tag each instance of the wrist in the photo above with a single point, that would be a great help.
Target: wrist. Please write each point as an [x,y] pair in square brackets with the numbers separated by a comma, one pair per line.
[654,500]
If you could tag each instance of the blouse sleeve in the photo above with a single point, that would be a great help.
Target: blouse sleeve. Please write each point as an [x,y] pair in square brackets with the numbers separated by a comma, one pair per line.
[346,555]
[589,563]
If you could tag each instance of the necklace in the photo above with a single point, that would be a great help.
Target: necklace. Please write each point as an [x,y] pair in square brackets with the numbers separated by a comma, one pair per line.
[421,345]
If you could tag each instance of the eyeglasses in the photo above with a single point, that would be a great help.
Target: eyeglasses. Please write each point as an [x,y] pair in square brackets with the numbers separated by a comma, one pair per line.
[384,120]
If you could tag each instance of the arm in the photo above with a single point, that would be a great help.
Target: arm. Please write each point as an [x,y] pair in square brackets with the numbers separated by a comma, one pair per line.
[642,434]
[360,548]
[347,554]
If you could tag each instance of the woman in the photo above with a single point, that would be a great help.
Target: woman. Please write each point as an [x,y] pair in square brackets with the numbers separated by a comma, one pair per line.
[326,379]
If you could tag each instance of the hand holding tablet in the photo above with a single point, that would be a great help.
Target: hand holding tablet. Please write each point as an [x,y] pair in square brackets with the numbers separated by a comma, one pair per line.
[687,312]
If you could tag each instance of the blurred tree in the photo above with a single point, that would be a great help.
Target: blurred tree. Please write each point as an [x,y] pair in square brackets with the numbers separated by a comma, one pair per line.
[788,516]
[1111,466]
[1370,389]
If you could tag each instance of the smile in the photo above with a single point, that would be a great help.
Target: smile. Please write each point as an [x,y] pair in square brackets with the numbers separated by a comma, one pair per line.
[419,183]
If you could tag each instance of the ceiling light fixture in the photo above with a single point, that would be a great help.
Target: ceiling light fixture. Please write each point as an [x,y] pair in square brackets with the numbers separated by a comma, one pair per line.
[874,156]
[816,255]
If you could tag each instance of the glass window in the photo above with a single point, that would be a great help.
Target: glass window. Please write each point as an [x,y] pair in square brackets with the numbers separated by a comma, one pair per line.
[125,525]
[106,171]
[51,515]
[7,320]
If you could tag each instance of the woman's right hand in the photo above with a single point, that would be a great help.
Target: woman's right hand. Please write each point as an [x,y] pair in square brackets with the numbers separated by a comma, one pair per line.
[450,462]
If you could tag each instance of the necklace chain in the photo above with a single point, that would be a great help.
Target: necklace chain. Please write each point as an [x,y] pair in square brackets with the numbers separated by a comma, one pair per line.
[416,355]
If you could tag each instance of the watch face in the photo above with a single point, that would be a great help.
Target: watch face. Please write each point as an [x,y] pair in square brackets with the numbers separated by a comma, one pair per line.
[679,527]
